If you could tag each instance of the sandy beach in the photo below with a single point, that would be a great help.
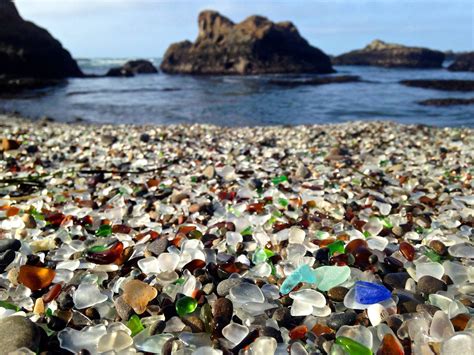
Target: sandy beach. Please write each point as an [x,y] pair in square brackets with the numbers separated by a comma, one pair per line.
[213,226]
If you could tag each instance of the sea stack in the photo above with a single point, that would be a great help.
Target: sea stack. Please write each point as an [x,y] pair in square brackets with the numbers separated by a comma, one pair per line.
[382,54]
[29,51]
[253,46]
[463,62]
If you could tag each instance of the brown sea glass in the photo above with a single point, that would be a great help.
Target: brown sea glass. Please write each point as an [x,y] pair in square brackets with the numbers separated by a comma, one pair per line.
[35,277]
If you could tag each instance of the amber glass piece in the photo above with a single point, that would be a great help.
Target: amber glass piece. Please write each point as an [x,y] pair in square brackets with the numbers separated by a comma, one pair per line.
[12,211]
[390,346]
[229,267]
[53,293]
[35,277]
[355,244]
[362,257]
[55,219]
[407,250]
[121,228]
[153,182]
[86,221]
[137,294]
[256,207]
[186,229]
[339,260]
[107,256]
[298,332]
[320,329]
[194,265]
[325,242]
[460,322]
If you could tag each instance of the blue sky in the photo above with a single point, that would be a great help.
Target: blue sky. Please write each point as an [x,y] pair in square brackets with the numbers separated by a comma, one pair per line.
[145,28]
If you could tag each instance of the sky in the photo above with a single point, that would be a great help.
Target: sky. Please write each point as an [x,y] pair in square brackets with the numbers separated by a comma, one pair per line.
[145,28]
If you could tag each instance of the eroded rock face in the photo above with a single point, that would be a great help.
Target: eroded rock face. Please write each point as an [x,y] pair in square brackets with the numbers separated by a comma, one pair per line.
[27,50]
[379,53]
[464,62]
[254,46]
[133,67]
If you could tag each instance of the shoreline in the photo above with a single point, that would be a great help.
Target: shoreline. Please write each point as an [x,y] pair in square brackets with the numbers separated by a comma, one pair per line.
[142,235]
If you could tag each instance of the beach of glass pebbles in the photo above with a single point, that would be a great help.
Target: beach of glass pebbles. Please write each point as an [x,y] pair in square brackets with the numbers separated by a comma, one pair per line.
[354,239]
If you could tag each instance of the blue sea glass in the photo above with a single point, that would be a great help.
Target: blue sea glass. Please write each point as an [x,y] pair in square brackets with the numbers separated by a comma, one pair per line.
[302,274]
[370,293]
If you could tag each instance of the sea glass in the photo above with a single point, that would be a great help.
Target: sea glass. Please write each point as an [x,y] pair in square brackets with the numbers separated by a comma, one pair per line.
[352,347]
[137,294]
[337,246]
[135,325]
[279,179]
[331,276]
[35,277]
[102,256]
[302,274]
[370,293]
[185,305]
[104,230]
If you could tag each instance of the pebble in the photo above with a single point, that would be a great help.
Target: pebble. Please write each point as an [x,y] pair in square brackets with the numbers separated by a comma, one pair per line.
[338,319]
[19,332]
[158,246]
[9,244]
[429,284]
[224,286]
[396,280]
[338,293]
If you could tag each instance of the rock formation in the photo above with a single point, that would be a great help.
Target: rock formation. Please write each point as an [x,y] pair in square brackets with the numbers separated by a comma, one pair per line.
[133,67]
[441,84]
[27,50]
[379,53]
[254,46]
[463,62]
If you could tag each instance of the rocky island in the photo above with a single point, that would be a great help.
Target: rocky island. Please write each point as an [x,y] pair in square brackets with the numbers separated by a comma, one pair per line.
[464,62]
[254,46]
[382,54]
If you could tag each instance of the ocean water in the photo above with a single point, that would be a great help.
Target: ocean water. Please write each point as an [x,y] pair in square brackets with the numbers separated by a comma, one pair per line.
[243,101]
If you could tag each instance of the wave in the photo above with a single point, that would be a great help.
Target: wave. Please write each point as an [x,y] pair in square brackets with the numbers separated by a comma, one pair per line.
[120,91]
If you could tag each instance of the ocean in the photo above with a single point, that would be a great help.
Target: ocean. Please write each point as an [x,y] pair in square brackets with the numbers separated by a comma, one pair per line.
[243,101]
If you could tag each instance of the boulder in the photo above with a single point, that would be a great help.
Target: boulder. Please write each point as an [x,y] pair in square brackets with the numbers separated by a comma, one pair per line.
[29,51]
[379,53]
[254,46]
[463,62]
[447,102]
[133,67]
[441,84]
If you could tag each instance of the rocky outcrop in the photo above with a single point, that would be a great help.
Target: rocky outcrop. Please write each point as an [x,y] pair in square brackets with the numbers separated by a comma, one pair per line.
[254,46]
[463,62]
[133,67]
[439,84]
[379,53]
[27,50]
[447,102]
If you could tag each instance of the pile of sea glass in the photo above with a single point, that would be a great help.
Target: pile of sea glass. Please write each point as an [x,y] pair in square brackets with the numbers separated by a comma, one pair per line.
[340,239]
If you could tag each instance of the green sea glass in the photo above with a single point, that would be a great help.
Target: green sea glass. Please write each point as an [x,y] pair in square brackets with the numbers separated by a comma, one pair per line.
[135,325]
[185,305]
[331,276]
[104,230]
[337,246]
[279,179]
[351,347]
